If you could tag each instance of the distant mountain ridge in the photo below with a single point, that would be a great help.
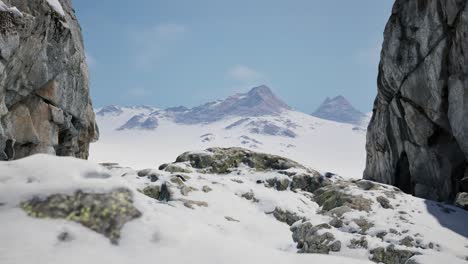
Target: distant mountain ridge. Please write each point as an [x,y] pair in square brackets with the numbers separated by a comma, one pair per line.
[339,109]
[259,101]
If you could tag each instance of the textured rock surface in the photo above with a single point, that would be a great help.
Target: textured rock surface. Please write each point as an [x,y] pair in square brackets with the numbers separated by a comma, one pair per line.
[45,105]
[418,135]
[105,213]
[224,160]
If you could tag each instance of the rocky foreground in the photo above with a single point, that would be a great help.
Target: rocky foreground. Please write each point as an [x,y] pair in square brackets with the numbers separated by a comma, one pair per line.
[216,206]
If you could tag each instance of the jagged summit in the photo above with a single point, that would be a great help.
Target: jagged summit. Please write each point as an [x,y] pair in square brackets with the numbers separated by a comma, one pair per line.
[339,109]
[259,101]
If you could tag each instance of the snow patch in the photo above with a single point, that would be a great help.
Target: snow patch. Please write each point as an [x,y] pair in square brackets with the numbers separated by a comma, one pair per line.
[55,4]
[13,10]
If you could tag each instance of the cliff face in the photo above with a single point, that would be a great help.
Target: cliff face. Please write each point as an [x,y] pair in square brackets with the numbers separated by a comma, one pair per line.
[418,135]
[45,106]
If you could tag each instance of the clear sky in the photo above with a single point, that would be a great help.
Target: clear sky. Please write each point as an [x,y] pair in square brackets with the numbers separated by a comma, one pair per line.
[187,52]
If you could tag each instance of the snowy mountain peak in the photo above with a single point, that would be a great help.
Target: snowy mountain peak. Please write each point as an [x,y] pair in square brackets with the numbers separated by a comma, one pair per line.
[259,101]
[110,109]
[339,109]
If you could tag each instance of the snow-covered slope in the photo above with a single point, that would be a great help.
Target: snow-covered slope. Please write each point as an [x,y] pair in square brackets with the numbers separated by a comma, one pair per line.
[321,144]
[212,218]
[143,136]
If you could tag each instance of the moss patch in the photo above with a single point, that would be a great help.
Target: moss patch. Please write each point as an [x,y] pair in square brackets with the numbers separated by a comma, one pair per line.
[104,213]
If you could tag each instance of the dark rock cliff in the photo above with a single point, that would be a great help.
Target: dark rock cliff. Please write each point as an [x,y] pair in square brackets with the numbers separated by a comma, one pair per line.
[418,135]
[45,106]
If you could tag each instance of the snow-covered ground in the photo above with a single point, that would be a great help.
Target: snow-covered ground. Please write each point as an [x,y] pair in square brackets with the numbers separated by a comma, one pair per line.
[321,144]
[227,229]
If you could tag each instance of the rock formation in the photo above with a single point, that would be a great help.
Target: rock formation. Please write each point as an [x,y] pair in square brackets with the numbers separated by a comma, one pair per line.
[418,135]
[45,105]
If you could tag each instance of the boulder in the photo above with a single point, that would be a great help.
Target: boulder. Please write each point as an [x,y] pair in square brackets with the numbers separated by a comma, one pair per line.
[391,255]
[225,160]
[104,213]
[418,135]
[313,239]
[45,105]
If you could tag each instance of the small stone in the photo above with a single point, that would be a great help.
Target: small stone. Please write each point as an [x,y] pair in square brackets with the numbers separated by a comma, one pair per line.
[407,241]
[358,243]
[144,173]
[336,246]
[367,185]
[237,181]
[230,219]
[175,168]
[364,224]
[185,190]
[153,178]
[336,222]
[191,203]
[381,235]
[152,191]
[462,200]
[384,202]
[65,237]
[286,216]
[206,189]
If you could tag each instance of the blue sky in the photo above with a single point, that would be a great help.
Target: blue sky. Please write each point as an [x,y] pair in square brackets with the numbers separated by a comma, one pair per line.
[184,52]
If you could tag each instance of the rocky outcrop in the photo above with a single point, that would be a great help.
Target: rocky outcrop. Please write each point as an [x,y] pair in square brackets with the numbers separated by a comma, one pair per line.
[418,136]
[45,105]
[225,160]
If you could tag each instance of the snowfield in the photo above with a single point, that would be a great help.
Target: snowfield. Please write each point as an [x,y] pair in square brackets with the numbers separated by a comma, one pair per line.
[321,144]
[209,219]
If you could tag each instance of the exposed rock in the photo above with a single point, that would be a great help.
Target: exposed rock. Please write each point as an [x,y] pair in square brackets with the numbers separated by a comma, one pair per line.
[250,196]
[286,216]
[224,160]
[310,240]
[161,193]
[418,136]
[191,203]
[358,243]
[309,182]
[206,189]
[333,196]
[407,241]
[390,255]
[462,200]
[45,106]
[363,224]
[367,185]
[105,213]
[230,219]
[185,190]
[384,202]
[339,211]
[175,168]
[278,184]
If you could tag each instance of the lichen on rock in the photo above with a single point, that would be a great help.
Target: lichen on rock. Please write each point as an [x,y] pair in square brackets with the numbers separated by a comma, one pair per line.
[104,213]
[224,160]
